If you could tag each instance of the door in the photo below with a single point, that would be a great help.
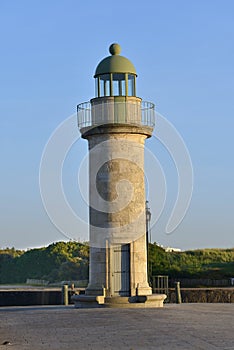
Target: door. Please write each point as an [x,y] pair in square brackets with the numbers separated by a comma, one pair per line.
[120,279]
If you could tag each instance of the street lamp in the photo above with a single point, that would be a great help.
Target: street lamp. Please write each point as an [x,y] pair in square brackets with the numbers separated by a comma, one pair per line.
[148,218]
[148,235]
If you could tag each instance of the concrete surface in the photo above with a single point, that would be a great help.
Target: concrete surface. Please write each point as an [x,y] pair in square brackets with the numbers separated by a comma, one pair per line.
[184,326]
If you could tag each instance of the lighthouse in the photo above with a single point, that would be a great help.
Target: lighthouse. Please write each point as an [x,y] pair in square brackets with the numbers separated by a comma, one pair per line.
[116,123]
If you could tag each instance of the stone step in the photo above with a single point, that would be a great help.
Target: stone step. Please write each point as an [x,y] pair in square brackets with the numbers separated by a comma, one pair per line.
[117,300]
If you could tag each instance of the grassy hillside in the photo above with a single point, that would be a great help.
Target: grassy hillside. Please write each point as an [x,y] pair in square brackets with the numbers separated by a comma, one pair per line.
[57,262]
[205,263]
[69,261]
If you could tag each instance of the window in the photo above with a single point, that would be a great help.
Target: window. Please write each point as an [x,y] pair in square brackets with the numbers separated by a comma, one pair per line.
[115,84]
[105,85]
[119,84]
[131,85]
[97,87]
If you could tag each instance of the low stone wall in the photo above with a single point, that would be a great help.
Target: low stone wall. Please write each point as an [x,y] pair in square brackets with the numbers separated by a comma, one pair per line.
[203,295]
[202,282]
[54,297]
[26,298]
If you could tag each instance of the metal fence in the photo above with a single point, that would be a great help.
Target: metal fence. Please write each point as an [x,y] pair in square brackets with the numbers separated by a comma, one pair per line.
[128,112]
[160,284]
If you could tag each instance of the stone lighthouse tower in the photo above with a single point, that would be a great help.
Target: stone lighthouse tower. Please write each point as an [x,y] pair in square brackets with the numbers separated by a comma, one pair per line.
[116,124]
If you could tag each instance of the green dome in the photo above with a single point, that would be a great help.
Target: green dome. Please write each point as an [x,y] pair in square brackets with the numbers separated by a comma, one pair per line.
[115,63]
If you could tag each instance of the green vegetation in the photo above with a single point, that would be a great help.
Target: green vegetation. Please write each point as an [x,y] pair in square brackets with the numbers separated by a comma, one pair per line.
[57,262]
[204,263]
[69,261]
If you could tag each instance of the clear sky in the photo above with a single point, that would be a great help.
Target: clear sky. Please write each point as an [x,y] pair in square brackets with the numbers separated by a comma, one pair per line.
[183,52]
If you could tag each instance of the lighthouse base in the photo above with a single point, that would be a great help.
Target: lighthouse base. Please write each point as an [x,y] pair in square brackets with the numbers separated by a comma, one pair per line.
[140,301]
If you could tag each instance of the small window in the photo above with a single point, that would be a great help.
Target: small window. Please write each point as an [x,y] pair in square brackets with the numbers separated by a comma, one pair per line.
[104,85]
[119,84]
[131,85]
[97,87]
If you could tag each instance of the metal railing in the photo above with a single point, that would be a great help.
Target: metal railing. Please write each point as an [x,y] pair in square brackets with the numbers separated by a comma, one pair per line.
[160,285]
[128,112]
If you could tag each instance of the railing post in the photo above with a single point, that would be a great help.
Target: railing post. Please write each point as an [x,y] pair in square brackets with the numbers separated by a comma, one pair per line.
[65,294]
[177,292]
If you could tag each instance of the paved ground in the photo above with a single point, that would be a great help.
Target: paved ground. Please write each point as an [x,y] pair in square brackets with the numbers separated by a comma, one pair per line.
[185,326]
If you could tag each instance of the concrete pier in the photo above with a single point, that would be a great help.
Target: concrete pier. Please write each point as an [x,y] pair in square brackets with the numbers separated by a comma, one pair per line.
[176,326]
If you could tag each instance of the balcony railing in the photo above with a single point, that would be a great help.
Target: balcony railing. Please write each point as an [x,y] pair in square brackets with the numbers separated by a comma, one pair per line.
[129,112]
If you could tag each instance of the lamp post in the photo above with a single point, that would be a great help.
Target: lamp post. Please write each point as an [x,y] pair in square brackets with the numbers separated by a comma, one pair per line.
[148,234]
[148,218]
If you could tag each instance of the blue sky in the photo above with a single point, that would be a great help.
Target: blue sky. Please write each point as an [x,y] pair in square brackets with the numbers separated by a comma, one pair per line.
[183,52]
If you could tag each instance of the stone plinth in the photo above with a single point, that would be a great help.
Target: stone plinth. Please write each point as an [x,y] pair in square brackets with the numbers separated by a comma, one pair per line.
[142,301]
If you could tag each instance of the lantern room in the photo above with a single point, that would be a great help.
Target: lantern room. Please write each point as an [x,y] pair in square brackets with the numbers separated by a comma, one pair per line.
[115,75]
